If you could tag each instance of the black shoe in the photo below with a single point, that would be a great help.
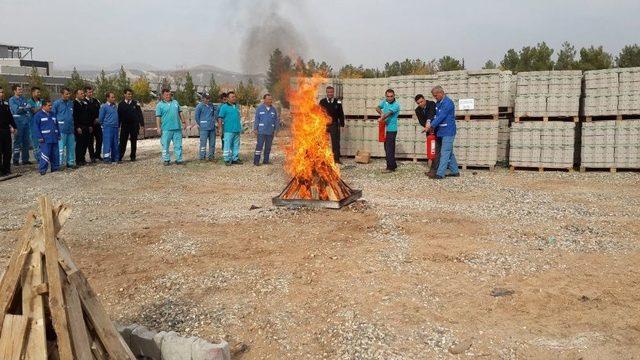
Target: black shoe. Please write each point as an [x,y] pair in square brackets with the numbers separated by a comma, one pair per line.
[256,164]
[237,162]
[42,173]
[227,163]
[167,163]
[99,157]
[179,162]
[72,167]
[27,163]
[267,163]
[119,162]
[132,159]
[454,175]
[16,163]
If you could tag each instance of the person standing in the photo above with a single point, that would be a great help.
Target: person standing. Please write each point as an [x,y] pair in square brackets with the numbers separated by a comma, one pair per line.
[205,112]
[108,119]
[131,123]
[168,119]
[63,110]
[265,125]
[333,108]
[48,134]
[224,98]
[229,116]
[36,104]
[83,125]
[389,109]
[425,112]
[444,124]
[7,127]
[22,116]
[95,141]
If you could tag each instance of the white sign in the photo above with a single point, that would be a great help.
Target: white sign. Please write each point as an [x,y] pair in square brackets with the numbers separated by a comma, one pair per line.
[466,104]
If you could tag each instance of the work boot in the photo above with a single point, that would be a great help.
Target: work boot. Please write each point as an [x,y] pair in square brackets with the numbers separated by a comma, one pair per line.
[227,163]
[27,163]
[237,162]
[167,163]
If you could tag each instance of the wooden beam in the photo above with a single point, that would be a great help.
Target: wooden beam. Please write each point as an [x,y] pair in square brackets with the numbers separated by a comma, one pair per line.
[114,344]
[14,329]
[11,277]
[56,296]
[33,306]
[77,326]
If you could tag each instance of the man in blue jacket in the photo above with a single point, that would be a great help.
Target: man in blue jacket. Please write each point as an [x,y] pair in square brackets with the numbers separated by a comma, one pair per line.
[108,119]
[444,124]
[205,112]
[265,126]
[169,122]
[22,116]
[48,134]
[63,110]
[229,116]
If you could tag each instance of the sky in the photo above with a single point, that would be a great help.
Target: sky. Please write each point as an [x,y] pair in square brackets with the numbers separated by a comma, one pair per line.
[179,34]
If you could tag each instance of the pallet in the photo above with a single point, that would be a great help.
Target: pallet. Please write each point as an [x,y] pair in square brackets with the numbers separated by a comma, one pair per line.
[617,118]
[468,117]
[477,167]
[513,168]
[574,119]
[612,170]
[504,110]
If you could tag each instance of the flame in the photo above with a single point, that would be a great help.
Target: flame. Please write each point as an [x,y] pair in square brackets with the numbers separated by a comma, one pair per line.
[309,159]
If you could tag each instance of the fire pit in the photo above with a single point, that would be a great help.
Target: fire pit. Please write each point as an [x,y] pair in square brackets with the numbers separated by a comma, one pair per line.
[315,177]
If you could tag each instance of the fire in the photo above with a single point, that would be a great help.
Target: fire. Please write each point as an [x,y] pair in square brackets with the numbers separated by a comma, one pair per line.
[309,159]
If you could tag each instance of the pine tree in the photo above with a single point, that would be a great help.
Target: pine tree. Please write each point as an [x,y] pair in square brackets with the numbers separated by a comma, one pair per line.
[76,81]
[629,56]
[104,84]
[188,92]
[593,58]
[278,76]
[4,84]
[214,89]
[35,80]
[490,65]
[121,83]
[448,63]
[566,57]
[142,89]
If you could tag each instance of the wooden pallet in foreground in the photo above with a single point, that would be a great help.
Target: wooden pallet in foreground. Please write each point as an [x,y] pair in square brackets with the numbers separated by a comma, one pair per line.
[47,308]
[513,168]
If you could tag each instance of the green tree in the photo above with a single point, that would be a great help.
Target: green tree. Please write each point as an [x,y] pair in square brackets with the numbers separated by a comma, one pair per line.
[393,69]
[104,84]
[566,57]
[249,94]
[351,72]
[490,65]
[214,88]
[76,81]
[448,63]
[35,80]
[142,89]
[530,58]
[122,82]
[593,58]
[278,76]
[629,56]
[510,60]
[188,92]
[4,84]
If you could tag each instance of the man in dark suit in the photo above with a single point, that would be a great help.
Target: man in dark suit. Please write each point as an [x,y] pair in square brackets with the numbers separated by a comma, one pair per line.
[333,107]
[425,112]
[95,143]
[131,122]
[83,124]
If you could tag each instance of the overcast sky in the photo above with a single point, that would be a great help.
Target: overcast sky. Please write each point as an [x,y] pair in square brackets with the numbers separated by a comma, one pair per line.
[170,34]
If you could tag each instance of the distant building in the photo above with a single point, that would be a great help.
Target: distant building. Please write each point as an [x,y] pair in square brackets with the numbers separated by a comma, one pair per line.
[16,64]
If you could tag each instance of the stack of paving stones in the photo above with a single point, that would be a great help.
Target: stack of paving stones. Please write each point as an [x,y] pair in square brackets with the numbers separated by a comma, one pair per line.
[610,144]
[542,144]
[504,133]
[476,143]
[484,86]
[507,96]
[548,94]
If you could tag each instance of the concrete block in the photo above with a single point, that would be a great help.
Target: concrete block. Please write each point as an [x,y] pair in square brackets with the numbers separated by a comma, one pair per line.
[204,350]
[175,347]
[125,332]
[143,343]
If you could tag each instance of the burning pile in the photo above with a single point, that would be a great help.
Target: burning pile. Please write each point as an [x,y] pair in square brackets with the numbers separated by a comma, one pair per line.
[309,161]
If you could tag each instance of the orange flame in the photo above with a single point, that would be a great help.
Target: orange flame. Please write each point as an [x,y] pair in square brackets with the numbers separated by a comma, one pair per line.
[309,159]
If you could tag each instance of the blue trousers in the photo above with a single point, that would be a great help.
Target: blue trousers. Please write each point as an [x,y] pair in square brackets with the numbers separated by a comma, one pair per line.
[231,151]
[22,141]
[110,147]
[209,135]
[167,137]
[49,156]
[264,141]
[34,142]
[67,146]
[447,158]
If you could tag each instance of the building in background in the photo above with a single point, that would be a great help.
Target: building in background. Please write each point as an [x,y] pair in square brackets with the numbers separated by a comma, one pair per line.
[17,63]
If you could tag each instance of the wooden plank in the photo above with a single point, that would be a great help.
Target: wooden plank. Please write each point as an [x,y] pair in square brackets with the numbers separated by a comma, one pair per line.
[12,275]
[14,330]
[33,306]
[77,326]
[56,296]
[104,328]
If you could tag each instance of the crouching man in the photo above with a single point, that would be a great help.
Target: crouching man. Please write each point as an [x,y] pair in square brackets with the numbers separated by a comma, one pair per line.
[48,134]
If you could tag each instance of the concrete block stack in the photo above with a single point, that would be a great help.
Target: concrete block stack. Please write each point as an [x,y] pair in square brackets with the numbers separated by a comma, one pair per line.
[629,91]
[504,132]
[565,88]
[484,87]
[542,144]
[455,84]
[353,102]
[374,94]
[406,138]
[507,96]
[424,84]
[601,92]
[611,144]
[476,142]
[548,94]
[531,93]
[627,149]
[404,87]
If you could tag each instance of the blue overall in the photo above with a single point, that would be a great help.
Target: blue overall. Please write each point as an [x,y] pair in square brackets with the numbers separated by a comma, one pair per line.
[35,107]
[207,126]
[232,126]
[63,111]
[21,112]
[444,123]
[265,125]
[108,118]
[169,114]
[48,135]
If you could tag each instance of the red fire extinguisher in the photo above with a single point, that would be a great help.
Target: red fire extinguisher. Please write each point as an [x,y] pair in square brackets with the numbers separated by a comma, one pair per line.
[382,131]
[431,147]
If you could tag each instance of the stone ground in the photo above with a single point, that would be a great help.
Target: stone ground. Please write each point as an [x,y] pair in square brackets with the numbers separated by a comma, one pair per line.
[405,273]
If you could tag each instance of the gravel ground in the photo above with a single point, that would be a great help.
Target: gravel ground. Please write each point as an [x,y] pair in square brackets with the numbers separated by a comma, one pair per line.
[408,272]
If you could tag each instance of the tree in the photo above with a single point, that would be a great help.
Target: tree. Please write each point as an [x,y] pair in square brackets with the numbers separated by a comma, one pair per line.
[448,63]
[490,65]
[593,58]
[530,58]
[249,94]
[629,56]
[35,80]
[351,72]
[104,84]
[122,83]
[4,84]
[392,69]
[278,76]
[187,95]
[566,57]
[142,89]
[214,88]
[76,81]
[510,60]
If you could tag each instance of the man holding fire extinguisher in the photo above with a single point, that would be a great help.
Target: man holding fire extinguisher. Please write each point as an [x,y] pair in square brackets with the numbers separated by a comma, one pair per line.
[444,124]
[389,109]
[425,112]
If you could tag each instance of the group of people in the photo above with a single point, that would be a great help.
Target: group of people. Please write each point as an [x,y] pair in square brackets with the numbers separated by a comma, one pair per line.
[61,133]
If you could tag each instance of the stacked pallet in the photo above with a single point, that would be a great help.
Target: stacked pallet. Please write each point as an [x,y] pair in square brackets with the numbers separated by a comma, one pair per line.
[455,84]
[476,143]
[362,135]
[548,94]
[538,144]
[612,92]
[610,144]
[507,96]
[353,97]
[504,132]
[484,88]
[405,90]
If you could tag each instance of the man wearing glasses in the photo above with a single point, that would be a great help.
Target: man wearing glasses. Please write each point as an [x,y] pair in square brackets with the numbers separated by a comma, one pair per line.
[389,109]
